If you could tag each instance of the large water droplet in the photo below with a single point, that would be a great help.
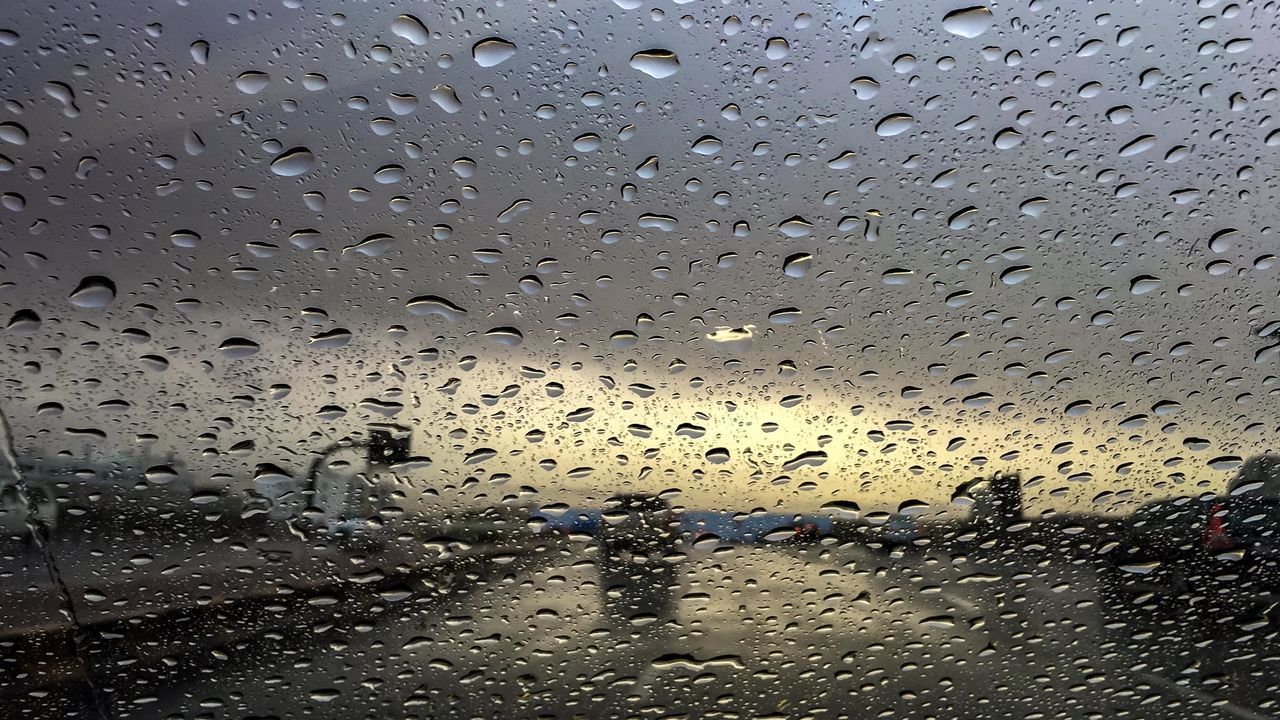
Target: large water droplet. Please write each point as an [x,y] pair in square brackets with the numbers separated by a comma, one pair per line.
[967,22]
[433,305]
[446,98]
[336,338]
[374,245]
[1222,240]
[24,322]
[505,336]
[237,347]
[464,167]
[707,145]
[252,82]
[843,509]
[843,161]
[315,81]
[402,103]
[734,339]
[200,52]
[63,93]
[649,168]
[389,174]
[492,51]
[795,227]
[812,458]
[1034,207]
[479,455]
[798,265]
[184,238]
[515,210]
[894,124]
[962,219]
[1143,284]
[1138,145]
[587,142]
[897,276]
[1016,275]
[1008,138]
[529,285]
[160,474]
[192,143]
[785,316]
[293,162]
[94,292]
[12,132]
[665,223]
[690,430]
[865,88]
[623,339]
[85,166]
[410,28]
[717,455]
[656,63]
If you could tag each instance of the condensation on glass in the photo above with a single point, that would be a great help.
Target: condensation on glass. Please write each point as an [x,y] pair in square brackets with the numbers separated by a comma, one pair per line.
[627,358]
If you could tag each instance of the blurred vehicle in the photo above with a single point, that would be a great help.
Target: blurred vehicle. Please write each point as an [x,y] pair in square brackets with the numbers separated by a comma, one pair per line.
[893,530]
[341,503]
[1169,529]
[735,528]
[356,533]
[804,534]
[1210,567]
[636,535]
[1158,544]
[13,513]
[496,525]
[560,520]
[845,531]
[1241,541]
[639,525]
[1212,557]
[14,520]
[278,496]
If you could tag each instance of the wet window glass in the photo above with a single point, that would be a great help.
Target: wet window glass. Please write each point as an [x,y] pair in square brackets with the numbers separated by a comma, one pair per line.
[639,359]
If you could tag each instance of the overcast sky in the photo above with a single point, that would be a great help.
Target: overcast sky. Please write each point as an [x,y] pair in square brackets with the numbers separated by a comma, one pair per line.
[868,251]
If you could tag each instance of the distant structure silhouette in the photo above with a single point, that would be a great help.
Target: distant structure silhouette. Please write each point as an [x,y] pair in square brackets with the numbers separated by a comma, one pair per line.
[995,501]
[1259,475]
